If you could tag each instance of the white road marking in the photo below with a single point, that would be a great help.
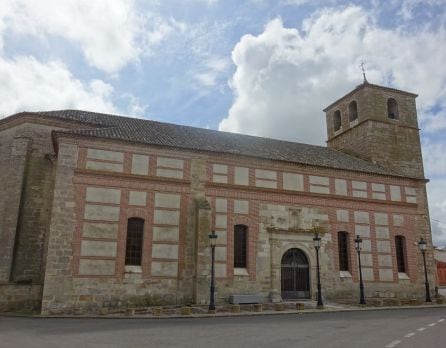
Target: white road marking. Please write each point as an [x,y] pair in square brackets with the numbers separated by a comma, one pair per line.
[409,335]
[433,324]
[421,329]
[393,344]
[441,320]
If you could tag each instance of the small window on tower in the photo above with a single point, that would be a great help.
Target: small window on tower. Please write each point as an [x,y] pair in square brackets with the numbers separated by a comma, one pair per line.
[392,109]
[337,120]
[353,111]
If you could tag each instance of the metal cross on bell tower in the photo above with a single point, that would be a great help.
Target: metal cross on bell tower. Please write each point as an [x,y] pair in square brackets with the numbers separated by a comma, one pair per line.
[363,70]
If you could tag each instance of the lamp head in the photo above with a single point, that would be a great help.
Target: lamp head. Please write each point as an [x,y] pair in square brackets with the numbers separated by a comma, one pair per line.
[213,239]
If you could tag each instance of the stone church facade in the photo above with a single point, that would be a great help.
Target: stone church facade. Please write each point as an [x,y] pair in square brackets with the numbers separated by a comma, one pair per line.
[106,211]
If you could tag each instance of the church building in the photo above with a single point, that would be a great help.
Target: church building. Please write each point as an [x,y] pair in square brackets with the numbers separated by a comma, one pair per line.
[102,211]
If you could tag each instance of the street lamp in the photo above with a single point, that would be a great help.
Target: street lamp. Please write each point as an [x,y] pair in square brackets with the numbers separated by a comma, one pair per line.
[422,245]
[358,244]
[317,246]
[212,242]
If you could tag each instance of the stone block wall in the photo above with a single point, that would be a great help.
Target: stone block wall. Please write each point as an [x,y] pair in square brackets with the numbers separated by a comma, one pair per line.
[25,207]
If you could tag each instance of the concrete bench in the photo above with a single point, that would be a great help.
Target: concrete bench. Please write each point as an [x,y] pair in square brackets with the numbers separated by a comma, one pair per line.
[245,299]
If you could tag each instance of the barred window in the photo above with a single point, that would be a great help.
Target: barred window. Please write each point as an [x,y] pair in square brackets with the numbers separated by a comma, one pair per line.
[240,246]
[343,251]
[133,248]
[400,245]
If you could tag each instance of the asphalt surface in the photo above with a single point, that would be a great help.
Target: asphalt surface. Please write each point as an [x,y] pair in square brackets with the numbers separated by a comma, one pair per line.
[381,328]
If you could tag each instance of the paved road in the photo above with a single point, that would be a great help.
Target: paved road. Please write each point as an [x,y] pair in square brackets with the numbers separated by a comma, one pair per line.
[424,328]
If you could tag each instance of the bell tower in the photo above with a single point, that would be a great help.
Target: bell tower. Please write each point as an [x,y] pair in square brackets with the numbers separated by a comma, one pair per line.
[378,124]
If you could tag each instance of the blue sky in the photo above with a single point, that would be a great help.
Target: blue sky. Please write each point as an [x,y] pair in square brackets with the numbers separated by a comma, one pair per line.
[256,66]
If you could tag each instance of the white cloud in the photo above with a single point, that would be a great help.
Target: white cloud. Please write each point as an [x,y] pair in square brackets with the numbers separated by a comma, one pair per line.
[110,34]
[284,77]
[212,69]
[29,85]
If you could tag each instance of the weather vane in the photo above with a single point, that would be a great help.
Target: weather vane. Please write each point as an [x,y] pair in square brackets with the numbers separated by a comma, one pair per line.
[363,70]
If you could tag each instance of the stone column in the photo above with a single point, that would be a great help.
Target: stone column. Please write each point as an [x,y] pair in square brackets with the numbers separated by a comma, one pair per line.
[58,286]
[203,252]
[13,191]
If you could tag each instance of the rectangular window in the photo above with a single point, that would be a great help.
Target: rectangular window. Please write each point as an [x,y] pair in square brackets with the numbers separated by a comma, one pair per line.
[240,246]
[400,254]
[133,248]
[343,251]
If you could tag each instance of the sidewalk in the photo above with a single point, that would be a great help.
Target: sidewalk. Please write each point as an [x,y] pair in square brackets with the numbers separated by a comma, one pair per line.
[201,311]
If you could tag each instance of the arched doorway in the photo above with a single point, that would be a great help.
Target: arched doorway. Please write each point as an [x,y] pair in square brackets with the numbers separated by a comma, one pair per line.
[295,275]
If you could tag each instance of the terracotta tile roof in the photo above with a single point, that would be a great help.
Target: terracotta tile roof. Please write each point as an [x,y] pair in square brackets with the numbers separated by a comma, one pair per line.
[165,134]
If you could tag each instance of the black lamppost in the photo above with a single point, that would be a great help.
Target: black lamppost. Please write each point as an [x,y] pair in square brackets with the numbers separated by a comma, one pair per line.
[212,242]
[317,246]
[358,244]
[422,245]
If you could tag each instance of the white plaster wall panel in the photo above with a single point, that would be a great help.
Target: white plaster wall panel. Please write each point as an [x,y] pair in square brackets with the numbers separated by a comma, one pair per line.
[167,200]
[385,260]
[138,198]
[379,195]
[164,251]
[386,274]
[367,274]
[266,184]
[169,173]
[166,234]
[222,237]
[221,253]
[96,267]
[221,205]
[105,155]
[362,230]
[241,207]
[382,232]
[383,246]
[164,269]
[221,221]
[411,199]
[98,248]
[381,219]
[241,176]
[220,270]
[361,217]
[359,185]
[266,174]
[342,215]
[220,168]
[319,180]
[367,245]
[166,217]
[99,230]
[410,191]
[105,166]
[319,189]
[221,179]
[341,187]
[398,220]
[101,212]
[103,195]
[360,194]
[170,162]
[366,260]
[140,164]
[378,187]
[293,182]
[395,193]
